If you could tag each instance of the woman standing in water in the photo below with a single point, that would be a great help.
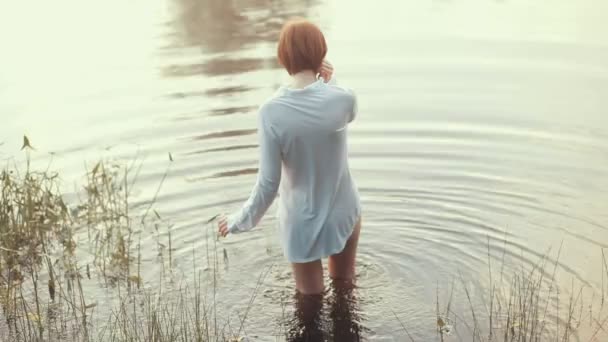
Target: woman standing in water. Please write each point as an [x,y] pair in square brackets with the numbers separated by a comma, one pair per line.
[303,156]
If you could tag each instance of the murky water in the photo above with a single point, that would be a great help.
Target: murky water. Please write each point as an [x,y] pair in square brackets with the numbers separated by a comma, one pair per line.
[479,121]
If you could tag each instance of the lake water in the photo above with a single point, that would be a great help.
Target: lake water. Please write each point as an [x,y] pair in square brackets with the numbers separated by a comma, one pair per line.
[480,122]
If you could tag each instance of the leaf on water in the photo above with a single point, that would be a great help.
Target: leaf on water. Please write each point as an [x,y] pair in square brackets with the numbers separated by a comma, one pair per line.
[445,326]
[26,143]
[440,322]
[170,156]
[156,213]
[447,330]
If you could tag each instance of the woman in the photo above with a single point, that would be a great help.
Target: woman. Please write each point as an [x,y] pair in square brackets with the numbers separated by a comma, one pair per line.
[302,136]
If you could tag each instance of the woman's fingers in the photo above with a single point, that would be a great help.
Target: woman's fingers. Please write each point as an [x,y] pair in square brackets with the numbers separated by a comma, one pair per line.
[223,226]
[325,73]
[327,70]
[328,67]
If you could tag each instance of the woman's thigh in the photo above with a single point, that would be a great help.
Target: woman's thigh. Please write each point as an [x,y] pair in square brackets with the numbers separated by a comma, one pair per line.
[342,265]
[309,277]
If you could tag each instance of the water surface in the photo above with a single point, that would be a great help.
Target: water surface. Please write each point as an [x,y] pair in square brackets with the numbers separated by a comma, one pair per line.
[479,121]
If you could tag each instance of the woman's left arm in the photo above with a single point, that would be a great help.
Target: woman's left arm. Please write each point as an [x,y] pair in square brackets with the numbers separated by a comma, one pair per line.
[267,184]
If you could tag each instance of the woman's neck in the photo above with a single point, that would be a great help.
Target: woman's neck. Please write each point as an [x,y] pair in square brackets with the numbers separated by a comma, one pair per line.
[303,79]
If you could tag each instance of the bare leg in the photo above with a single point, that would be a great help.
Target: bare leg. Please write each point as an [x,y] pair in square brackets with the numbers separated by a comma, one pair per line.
[309,277]
[342,265]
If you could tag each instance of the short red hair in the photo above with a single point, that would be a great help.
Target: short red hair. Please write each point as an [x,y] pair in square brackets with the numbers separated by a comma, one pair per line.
[301,46]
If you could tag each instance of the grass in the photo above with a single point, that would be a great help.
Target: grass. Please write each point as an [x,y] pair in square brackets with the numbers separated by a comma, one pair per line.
[44,261]
[32,214]
[526,306]
[42,267]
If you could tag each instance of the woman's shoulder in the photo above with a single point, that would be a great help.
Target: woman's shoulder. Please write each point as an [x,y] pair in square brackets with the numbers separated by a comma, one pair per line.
[270,109]
[340,93]
[274,100]
[284,97]
[339,89]
[271,104]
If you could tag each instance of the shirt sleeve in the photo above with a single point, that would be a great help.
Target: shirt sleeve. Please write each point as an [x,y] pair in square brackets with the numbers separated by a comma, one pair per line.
[267,184]
[354,109]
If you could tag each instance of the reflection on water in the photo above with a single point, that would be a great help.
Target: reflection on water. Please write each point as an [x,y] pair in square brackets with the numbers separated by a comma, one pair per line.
[226,148]
[231,110]
[333,316]
[225,134]
[221,66]
[250,171]
[226,25]
[223,26]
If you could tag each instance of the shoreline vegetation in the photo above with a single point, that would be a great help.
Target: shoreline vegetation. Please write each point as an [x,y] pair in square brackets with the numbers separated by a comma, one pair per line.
[49,248]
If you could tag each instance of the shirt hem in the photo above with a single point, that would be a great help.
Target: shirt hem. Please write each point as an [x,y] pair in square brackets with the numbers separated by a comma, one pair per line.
[333,251]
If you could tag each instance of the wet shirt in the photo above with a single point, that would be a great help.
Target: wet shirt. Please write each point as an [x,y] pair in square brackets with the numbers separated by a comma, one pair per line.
[303,157]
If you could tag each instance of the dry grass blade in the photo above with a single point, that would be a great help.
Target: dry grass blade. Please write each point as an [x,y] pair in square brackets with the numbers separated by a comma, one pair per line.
[256,290]
[404,328]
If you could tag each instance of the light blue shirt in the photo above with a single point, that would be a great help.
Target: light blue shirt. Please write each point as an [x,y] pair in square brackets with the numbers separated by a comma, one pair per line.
[304,157]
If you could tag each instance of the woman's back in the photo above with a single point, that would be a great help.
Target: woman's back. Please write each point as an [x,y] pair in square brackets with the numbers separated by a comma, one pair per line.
[319,203]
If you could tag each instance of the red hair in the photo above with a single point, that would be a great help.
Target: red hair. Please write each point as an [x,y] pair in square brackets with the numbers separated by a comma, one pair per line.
[301,46]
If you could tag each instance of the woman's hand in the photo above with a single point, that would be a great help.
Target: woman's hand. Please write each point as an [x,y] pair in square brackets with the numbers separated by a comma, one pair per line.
[326,71]
[222,226]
